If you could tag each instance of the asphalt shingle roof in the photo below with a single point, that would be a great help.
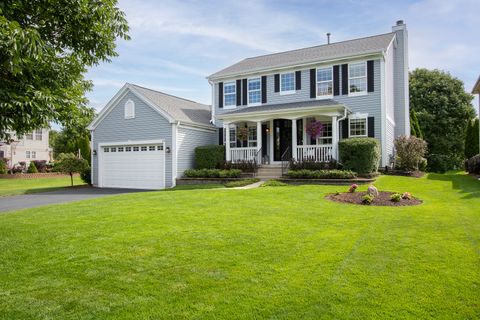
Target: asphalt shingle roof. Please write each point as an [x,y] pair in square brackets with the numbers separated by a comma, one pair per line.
[178,108]
[284,106]
[343,49]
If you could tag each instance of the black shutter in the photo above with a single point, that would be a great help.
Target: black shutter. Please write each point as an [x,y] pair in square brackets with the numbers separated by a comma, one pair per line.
[371,127]
[344,128]
[220,95]
[245,92]
[239,92]
[298,80]
[344,78]
[277,82]
[370,81]
[313,80]
[220,136]
[264,89]
[336,80]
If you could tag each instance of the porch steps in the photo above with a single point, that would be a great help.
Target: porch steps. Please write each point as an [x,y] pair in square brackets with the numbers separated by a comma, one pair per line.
[266,172]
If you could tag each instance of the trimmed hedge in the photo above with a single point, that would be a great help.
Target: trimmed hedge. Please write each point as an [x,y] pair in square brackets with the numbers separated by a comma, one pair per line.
[245,166]
[32,168]
[472,165]
[361,155]
[86,175]
[3,166]
[321,174]
[313,165]
[212,173]
[209,157]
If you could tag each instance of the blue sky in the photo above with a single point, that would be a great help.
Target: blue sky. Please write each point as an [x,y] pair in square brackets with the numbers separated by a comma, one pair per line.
[176,44]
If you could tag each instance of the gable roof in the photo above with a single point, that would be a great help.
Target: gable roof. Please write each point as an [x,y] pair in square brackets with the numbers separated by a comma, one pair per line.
[337,50]
[476,87]
[171,107]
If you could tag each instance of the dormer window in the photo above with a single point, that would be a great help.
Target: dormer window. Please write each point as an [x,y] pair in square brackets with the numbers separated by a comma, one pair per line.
[357,78]
[229,94]
[287,83]
[254,91]
[129,109]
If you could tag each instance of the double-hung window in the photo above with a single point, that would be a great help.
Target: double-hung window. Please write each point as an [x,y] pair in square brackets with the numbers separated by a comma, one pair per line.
[254,91]
[233,137]
[29,136]
[34,154]
[229,94]
[287,83]
[38,134]
[357,78]
[27,154]
[358,127]
[324,82]
[252,136]
[326,135]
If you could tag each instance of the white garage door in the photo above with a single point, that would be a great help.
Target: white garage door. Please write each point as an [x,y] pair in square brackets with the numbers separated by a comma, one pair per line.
[138,166]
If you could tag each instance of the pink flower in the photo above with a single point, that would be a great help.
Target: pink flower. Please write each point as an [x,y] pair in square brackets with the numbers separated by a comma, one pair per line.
[353,187]
[406,196]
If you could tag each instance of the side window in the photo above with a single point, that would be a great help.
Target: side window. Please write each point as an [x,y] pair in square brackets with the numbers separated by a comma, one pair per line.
[358,127]
[129,109]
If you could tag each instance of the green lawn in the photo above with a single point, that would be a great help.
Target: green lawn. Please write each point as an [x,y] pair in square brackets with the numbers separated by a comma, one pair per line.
[10,187]
[265,253]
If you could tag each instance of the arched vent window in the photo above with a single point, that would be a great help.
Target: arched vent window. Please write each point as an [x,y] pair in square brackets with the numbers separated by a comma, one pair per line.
[129,109]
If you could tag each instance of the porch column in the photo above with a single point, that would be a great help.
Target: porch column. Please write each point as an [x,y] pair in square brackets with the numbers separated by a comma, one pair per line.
[304,131]
[227,142]
[270,138]
[259,141]
[294,139]
[335,138]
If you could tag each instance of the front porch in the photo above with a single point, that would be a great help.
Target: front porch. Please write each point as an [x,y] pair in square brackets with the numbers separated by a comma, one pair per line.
[252,136]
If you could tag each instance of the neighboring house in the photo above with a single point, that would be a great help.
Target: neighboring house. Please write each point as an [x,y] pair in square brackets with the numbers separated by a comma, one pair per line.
[355,88]
[146,139]
[32,146]
[476,90]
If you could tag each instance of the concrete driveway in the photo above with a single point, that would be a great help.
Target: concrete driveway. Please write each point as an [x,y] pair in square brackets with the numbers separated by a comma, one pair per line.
[11,203]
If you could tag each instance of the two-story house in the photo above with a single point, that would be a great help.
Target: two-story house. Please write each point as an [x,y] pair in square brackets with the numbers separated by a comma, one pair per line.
[262,109]
[32,146]
[354,88]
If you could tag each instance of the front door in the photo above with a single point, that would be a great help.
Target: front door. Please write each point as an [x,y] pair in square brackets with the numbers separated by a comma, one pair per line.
[282,138]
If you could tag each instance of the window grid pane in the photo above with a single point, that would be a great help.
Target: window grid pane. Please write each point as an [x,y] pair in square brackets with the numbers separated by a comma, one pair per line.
[324,82]
[357,77]
[233,137]
[288,82]
[358,127]
[254,91]
[229,91]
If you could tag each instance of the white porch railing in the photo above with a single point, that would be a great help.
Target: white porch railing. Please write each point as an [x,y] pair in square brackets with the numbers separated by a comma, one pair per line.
[243,154]
[318,153]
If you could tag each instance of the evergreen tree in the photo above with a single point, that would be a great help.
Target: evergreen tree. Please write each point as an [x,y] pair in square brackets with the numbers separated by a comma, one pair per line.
[415,129]
[471,139]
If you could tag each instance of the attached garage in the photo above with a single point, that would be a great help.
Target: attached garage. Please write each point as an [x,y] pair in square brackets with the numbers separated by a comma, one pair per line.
[145,139]
[119,165]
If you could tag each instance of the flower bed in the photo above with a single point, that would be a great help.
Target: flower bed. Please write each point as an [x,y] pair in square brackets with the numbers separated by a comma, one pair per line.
[384,198]
[212,173]
[321,174]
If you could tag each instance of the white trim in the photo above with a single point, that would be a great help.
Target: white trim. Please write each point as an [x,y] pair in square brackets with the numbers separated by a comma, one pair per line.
[192,126]
[130,143]
[270,71]
[129,109]
[383,113]
[287,92]
[91,157]
[361,93]
[248,92]
[234,105]
[358,116]
[174,152]
[323,81]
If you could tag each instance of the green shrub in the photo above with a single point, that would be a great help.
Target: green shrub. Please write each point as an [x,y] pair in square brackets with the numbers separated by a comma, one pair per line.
[321,174]
[241,183]
[32,168]
[439,163]
[472,165]
[41,165]
[367,199]
[86,176]
[212,173]
[3,166]
[396,197]
[313,165]
[410,152]
[245,166]
[274,183]
[209,157]
[361,155]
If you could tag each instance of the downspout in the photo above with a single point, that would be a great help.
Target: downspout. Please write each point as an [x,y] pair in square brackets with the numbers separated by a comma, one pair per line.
[338,126]
[212,119]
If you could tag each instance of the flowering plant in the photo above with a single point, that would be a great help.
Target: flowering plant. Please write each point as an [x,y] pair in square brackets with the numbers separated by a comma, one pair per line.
[242,134]
[407,196]
[352,188]
[314,129]
[367,199]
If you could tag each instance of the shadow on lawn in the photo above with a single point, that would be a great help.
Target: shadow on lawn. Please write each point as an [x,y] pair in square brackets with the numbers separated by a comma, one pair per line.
[466,184]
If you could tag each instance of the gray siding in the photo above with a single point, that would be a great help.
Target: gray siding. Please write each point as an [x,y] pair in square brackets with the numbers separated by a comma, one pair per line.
[389,137]
[401,91]
[148,124]
[187,140]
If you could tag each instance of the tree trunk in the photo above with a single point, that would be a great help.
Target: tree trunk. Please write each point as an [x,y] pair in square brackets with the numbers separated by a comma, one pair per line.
[71,178]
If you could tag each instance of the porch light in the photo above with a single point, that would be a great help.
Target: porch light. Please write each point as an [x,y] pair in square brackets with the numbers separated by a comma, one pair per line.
[167,149]
[94,152]
[267,130]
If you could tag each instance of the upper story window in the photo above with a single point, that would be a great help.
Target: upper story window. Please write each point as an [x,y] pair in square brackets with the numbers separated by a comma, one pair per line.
[287,82]
[38,134]
[254,91]
[229,94]
[358,127]
[324,82]
[129,109]
[357,78]
[29,136]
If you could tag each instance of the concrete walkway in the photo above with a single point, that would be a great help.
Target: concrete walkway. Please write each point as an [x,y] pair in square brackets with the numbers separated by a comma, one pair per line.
[251,186]
[64,195]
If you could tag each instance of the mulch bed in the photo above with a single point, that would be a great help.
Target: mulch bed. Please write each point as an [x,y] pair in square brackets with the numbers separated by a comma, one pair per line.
[383,199]
[414,174]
